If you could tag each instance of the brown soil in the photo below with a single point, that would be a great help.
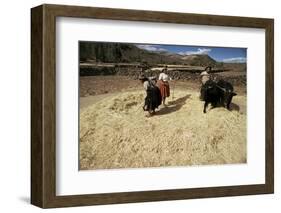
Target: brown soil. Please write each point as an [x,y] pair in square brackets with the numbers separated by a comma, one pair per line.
[97,85]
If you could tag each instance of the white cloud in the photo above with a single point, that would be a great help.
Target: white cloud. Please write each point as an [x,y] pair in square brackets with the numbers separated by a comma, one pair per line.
[235,60]
[199,51]
[152,48]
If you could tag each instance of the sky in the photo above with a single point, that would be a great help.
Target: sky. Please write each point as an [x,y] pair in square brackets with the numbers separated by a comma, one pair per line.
[221,54]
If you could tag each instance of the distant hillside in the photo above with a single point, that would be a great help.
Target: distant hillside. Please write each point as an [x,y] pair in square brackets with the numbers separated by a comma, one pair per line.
[242,67]
[199,60]
[128,53]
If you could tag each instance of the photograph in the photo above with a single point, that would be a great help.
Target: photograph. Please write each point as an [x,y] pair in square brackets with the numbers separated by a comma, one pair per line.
[145,105]
[161,105]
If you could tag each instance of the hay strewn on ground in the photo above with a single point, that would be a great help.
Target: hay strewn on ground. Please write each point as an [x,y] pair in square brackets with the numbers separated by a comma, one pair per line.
[114,133]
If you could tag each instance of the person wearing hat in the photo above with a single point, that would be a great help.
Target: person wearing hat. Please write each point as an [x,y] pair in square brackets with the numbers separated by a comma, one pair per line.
[153,95]
[163,83]
[205,76]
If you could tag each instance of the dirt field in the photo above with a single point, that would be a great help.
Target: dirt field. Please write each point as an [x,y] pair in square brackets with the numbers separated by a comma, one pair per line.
[96,85]
[114,132]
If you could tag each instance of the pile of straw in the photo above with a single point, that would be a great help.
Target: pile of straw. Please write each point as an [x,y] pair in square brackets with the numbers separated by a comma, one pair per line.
[114,133]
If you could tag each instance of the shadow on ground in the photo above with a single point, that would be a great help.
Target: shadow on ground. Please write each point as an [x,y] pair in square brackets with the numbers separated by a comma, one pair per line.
[234,107]
[173,106]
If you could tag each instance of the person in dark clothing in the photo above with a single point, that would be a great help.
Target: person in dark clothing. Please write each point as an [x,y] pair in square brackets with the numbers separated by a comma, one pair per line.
[153,96]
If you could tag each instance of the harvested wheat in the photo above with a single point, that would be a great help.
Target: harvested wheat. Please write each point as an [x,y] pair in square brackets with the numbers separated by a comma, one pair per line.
[114,133]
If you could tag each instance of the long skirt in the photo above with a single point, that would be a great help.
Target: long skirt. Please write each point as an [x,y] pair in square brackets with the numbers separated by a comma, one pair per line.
[152,100]
[164,88]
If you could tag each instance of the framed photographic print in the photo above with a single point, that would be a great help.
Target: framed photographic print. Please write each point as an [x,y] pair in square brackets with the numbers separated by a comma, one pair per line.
[136,106]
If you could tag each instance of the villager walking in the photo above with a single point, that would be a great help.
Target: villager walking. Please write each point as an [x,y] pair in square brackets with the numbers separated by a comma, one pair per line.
[205,76]
[153,96]
[163,84]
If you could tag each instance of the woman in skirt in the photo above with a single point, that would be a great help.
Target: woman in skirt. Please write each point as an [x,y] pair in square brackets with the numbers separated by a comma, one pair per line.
[163,85]
[153,96]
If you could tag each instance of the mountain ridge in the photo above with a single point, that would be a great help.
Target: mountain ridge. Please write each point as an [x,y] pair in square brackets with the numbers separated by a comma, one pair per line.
[128,53]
